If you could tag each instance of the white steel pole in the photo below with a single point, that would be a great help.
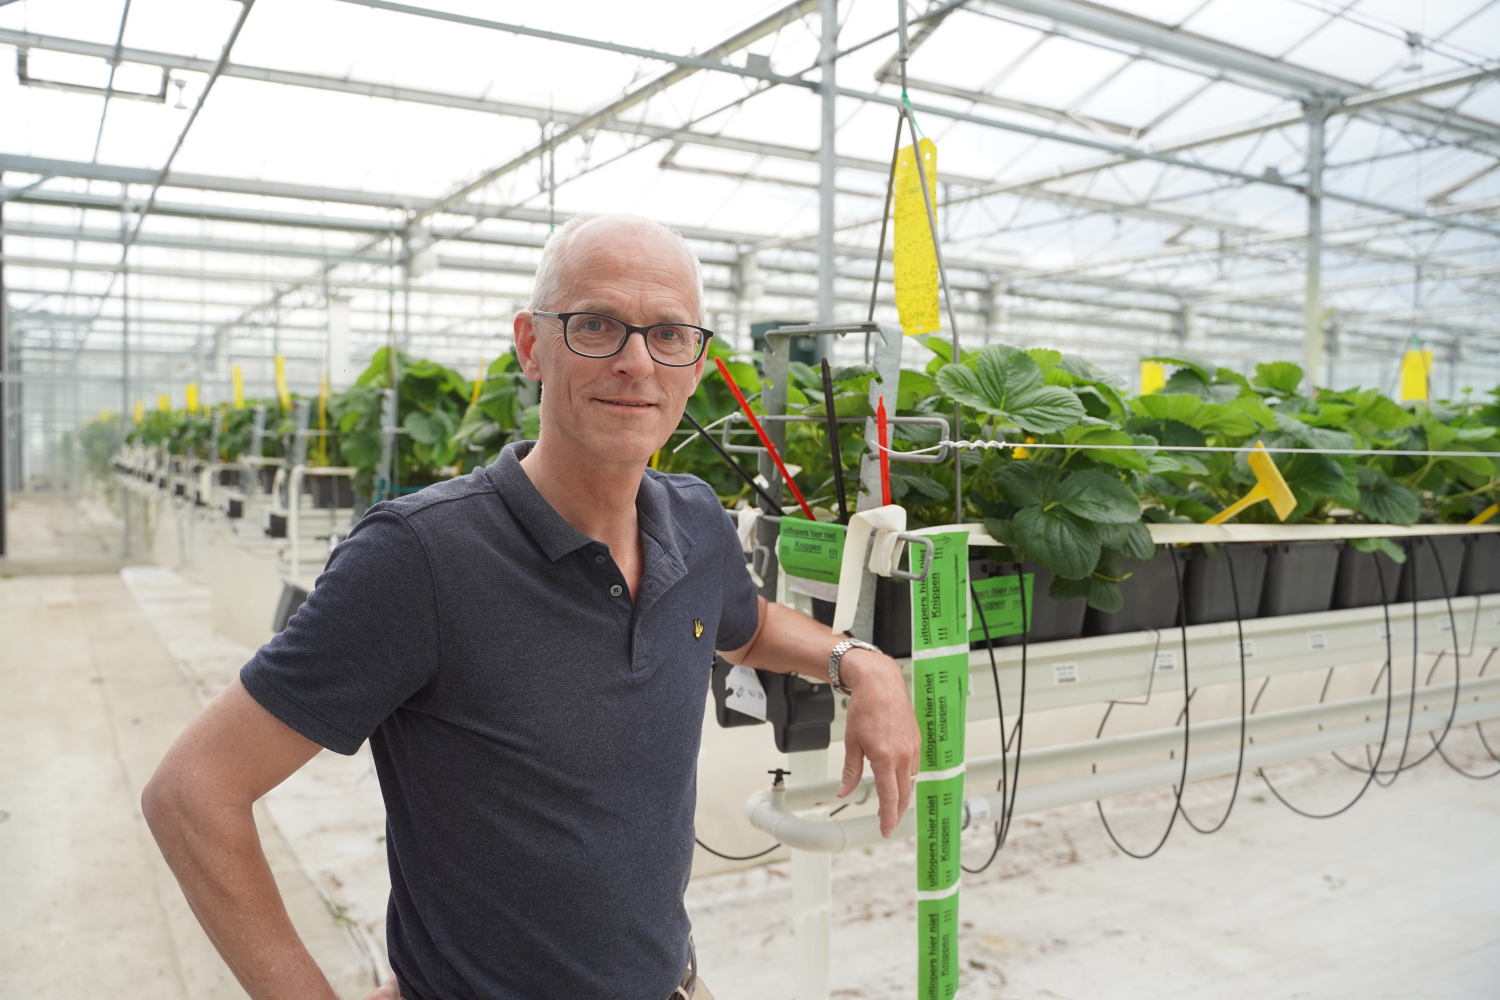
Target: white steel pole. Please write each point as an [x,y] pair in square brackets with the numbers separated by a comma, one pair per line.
[812,896]
[1312,335]
[827,164]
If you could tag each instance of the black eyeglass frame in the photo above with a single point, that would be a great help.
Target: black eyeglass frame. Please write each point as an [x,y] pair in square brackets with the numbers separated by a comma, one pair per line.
[629,329]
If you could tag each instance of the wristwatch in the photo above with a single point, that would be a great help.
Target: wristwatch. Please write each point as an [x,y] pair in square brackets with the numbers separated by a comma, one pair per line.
[837,656]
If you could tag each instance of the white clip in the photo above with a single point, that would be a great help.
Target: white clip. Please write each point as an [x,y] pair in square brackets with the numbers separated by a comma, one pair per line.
[749,516]
[885,552]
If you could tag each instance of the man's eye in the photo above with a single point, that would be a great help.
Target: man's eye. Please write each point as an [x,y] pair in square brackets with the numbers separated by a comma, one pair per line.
[668,333]
[593,325]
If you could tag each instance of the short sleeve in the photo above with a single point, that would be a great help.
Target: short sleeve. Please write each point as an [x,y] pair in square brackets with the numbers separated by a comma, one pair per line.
[363,643]
[740,612]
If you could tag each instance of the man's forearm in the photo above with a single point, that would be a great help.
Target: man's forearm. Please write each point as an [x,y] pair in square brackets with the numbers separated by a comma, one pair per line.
[215,852]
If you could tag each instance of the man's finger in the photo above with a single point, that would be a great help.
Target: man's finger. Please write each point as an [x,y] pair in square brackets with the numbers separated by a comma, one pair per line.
[854,764]
[906,781]
[887,787]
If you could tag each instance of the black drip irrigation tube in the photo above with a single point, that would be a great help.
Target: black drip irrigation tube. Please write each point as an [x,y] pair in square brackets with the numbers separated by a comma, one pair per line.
[1009,782]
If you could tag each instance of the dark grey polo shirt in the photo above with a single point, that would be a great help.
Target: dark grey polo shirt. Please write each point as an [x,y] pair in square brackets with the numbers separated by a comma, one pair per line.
[536,735]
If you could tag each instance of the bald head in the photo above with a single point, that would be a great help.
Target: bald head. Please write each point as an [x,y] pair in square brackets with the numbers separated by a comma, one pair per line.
[586,246]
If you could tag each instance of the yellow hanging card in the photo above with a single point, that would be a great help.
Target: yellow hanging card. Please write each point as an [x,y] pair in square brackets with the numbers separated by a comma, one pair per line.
[323,394]
[1416,368]
[282,392]
[239,387]
[192,397]
[163,402]
[140,411]
[479,385]
[1153,377]
[915,255]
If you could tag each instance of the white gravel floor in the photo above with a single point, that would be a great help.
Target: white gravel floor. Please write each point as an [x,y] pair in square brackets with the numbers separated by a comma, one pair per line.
[1400,897]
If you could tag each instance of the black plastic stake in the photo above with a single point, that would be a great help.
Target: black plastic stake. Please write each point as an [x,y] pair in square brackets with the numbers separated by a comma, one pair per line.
[737,467]
[833,443]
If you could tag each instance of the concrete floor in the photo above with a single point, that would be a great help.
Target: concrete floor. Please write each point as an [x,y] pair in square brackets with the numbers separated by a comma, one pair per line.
[92,700]
[1400,897]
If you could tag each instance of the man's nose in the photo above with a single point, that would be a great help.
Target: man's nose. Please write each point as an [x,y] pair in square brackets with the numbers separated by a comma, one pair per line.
[634,360]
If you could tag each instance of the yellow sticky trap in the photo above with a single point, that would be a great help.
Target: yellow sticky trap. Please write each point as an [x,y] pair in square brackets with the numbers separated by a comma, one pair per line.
[323,393]
[1416,368]
[163,402]
[1486,514]
[192,397]
[916,277]
[1153,377]
[282,392]
[239,387]
[1268,486]
[478,384]
[140,411]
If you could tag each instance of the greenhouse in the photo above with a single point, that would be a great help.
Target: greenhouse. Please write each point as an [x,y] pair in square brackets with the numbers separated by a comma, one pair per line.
[1086,413]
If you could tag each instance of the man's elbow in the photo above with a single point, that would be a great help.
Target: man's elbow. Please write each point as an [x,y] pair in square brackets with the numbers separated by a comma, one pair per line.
[166,803]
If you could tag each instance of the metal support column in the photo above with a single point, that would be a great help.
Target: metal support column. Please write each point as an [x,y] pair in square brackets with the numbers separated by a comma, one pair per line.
[827,163]
[1312,334]
[4,386]
[812,896]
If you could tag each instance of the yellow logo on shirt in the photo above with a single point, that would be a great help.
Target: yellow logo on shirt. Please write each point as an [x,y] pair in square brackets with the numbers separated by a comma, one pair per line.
[697,628]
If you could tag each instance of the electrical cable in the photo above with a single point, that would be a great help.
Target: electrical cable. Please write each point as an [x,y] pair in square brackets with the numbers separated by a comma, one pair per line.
[736,857]
[1187,697]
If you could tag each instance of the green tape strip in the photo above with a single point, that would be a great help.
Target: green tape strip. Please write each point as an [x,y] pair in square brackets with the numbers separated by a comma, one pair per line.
[1000,600]
[813,550]
[940,669]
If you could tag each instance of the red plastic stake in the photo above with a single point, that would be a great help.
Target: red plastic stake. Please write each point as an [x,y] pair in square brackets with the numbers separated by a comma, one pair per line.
[771,448]
[885,453]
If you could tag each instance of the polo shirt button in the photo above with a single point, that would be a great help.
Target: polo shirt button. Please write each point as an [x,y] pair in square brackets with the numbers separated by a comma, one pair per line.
[598,559]
[615,590]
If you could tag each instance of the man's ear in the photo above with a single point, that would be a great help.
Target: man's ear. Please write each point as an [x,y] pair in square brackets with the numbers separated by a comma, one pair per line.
[524,328]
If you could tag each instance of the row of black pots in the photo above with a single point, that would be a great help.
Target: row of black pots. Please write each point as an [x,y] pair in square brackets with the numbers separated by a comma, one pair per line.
[1269,580]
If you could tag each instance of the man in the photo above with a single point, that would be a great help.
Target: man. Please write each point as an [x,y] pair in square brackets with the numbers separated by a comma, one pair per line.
[528,650]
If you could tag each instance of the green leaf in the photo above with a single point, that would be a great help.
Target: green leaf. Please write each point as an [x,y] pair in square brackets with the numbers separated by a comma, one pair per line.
[531,423]
[1281,377]
[1314,437]
[1385,545]
[1256,409]
[1382,413]
[1383,499]
[1099,592]
[1133,540]
[1027,484]
[914,386]
[1045,359]
[1096,496]
[1179,407]
[1218,418]
[1007,383]
[925,485]
[1199,369]
[1056,539]
[1109,436]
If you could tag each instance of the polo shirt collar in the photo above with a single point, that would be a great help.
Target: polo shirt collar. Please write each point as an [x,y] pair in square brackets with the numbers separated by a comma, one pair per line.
[557,537]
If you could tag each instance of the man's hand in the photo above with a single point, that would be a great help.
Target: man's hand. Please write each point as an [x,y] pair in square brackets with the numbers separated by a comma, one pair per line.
[385,991]
[880,726]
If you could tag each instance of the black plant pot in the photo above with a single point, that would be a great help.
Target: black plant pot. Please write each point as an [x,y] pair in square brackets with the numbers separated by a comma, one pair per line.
[1481,574]
[1300,578]
[267,474]
[1151,598]
[892,615]
[1211,597]
[1434,566]
[1050,620]
[229,477]
[331,491]
[1365,579]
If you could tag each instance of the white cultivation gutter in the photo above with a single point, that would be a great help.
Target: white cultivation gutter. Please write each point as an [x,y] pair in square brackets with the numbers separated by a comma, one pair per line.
[771,810]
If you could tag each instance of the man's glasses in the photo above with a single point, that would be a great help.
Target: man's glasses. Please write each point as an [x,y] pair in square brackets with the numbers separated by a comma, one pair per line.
[595,335]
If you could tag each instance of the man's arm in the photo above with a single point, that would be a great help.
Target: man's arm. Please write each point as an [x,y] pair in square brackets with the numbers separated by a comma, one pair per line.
[880,724]
[198,805]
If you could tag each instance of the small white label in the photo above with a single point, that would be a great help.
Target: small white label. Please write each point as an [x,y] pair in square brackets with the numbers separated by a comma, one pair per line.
[1382,632]
[743,692]
[1247,649]
[1064,673]
[1166,659]
[1444,625]
[1317,640]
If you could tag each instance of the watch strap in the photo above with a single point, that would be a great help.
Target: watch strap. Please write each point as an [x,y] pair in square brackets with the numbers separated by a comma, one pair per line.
[835,659]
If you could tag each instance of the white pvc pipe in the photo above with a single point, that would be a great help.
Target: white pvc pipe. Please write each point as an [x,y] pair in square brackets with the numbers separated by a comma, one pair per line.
[768,810]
